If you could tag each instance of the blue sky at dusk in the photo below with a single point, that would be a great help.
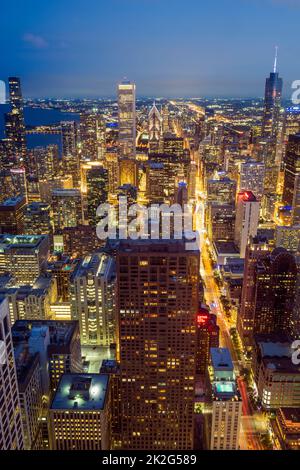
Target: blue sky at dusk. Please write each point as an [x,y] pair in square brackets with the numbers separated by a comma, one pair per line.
[168,47]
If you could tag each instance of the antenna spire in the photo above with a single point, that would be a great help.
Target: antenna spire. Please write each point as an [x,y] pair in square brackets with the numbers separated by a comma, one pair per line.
[276,57]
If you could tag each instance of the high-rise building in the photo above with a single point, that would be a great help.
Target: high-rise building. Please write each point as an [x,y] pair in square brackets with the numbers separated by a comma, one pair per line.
[247,218]
[220,221]
[37,219]
[173,145]
[11,435]
[275,292]
[291,171]
[155,130]
[14,122]
[80,414]
[12,215]
[92,136]
[66,208]
[58,345]
[252,177]
[288,237]
[24,256]
[221,190]
[69,137]
[257,249]
[227,402]
[157,295]
[127,119]
[97,191]
[93,300]
[273,92]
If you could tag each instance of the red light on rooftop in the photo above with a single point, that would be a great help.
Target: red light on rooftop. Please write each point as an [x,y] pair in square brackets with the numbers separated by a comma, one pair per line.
[202,318]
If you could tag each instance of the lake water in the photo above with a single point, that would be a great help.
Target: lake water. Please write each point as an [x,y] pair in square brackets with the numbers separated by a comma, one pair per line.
[35,117]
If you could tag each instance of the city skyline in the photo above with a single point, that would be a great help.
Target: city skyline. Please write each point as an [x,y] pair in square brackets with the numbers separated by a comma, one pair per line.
[212,51]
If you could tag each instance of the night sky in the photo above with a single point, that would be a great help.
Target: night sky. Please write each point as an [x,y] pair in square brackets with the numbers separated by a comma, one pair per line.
[77,48]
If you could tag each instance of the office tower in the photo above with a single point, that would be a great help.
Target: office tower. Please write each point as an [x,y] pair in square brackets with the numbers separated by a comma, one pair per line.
[221,190]
[273,92]
[247,218]
[207,338]
[44,162]
[155,129]
[14,122]
[296,202]
[175,169]
[19,180]
[257,249]
[220,221]
[165,119]
[93,300]
[112,166]
[37,219]
[252,177]
[291,169]
[268,206]
[11,435]
[173,145]
[58,345]
[288,237]
[24,256]
[67,208]
[227,402]
[128,171]
[291,121]
[80,241]
[12,215]
[160,188]
[7,186]
[97,191]
[92,136]
[79,415]
[277,379]
[30,395]
[61,267]
[275,292]
[157,295]
[69,137]
[112,369]
[286,428]
[127,119]
[29,302]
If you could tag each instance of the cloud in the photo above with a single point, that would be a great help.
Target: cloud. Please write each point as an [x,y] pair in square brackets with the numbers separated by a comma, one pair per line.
[38,42]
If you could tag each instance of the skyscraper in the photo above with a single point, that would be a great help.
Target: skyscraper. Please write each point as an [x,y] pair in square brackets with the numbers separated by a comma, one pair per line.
[155,129]
[252,176]
[127,119]
[14,121]
[291,169]
[11,436]
[246,222]
[157,295]
[273,92]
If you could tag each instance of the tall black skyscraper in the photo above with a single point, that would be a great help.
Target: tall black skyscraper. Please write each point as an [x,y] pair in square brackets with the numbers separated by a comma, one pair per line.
[273,92]
[14,123]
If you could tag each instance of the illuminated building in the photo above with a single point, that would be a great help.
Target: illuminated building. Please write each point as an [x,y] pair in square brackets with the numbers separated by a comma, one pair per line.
[7,186]
[24,256]
[80,413]
[252,177]
[155,129]
[296,202]
[80,241]
[58,345]
[291,121]
[11,435]
[92,136]
[247,218]
[275,292]
[288,237]
[18,176]
[173,145]
[30,395]
[165,119]
[268,206]
[273,92]
[291,169]
[61,268]
[93,300]
[12,215]
[160,188]
[47,186]
[226,402]
[97,191]
[221,190]
[277,378]
[257,249]
[112,166]
[207,338]
[45,162]
[220,221]
[157,295]
[127,119]
[128,171]
[29,302]
[69,136]
[112,369]
[286,427]
[37,219]
[14,121]
[67,208]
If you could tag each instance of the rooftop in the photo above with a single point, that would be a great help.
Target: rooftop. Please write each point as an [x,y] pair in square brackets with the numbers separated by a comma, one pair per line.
[13,201]
[81,392]
[61,332]
[20,241]
[221,359]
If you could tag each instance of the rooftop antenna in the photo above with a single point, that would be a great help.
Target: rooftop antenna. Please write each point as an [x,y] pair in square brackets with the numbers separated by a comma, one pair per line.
[275,61]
